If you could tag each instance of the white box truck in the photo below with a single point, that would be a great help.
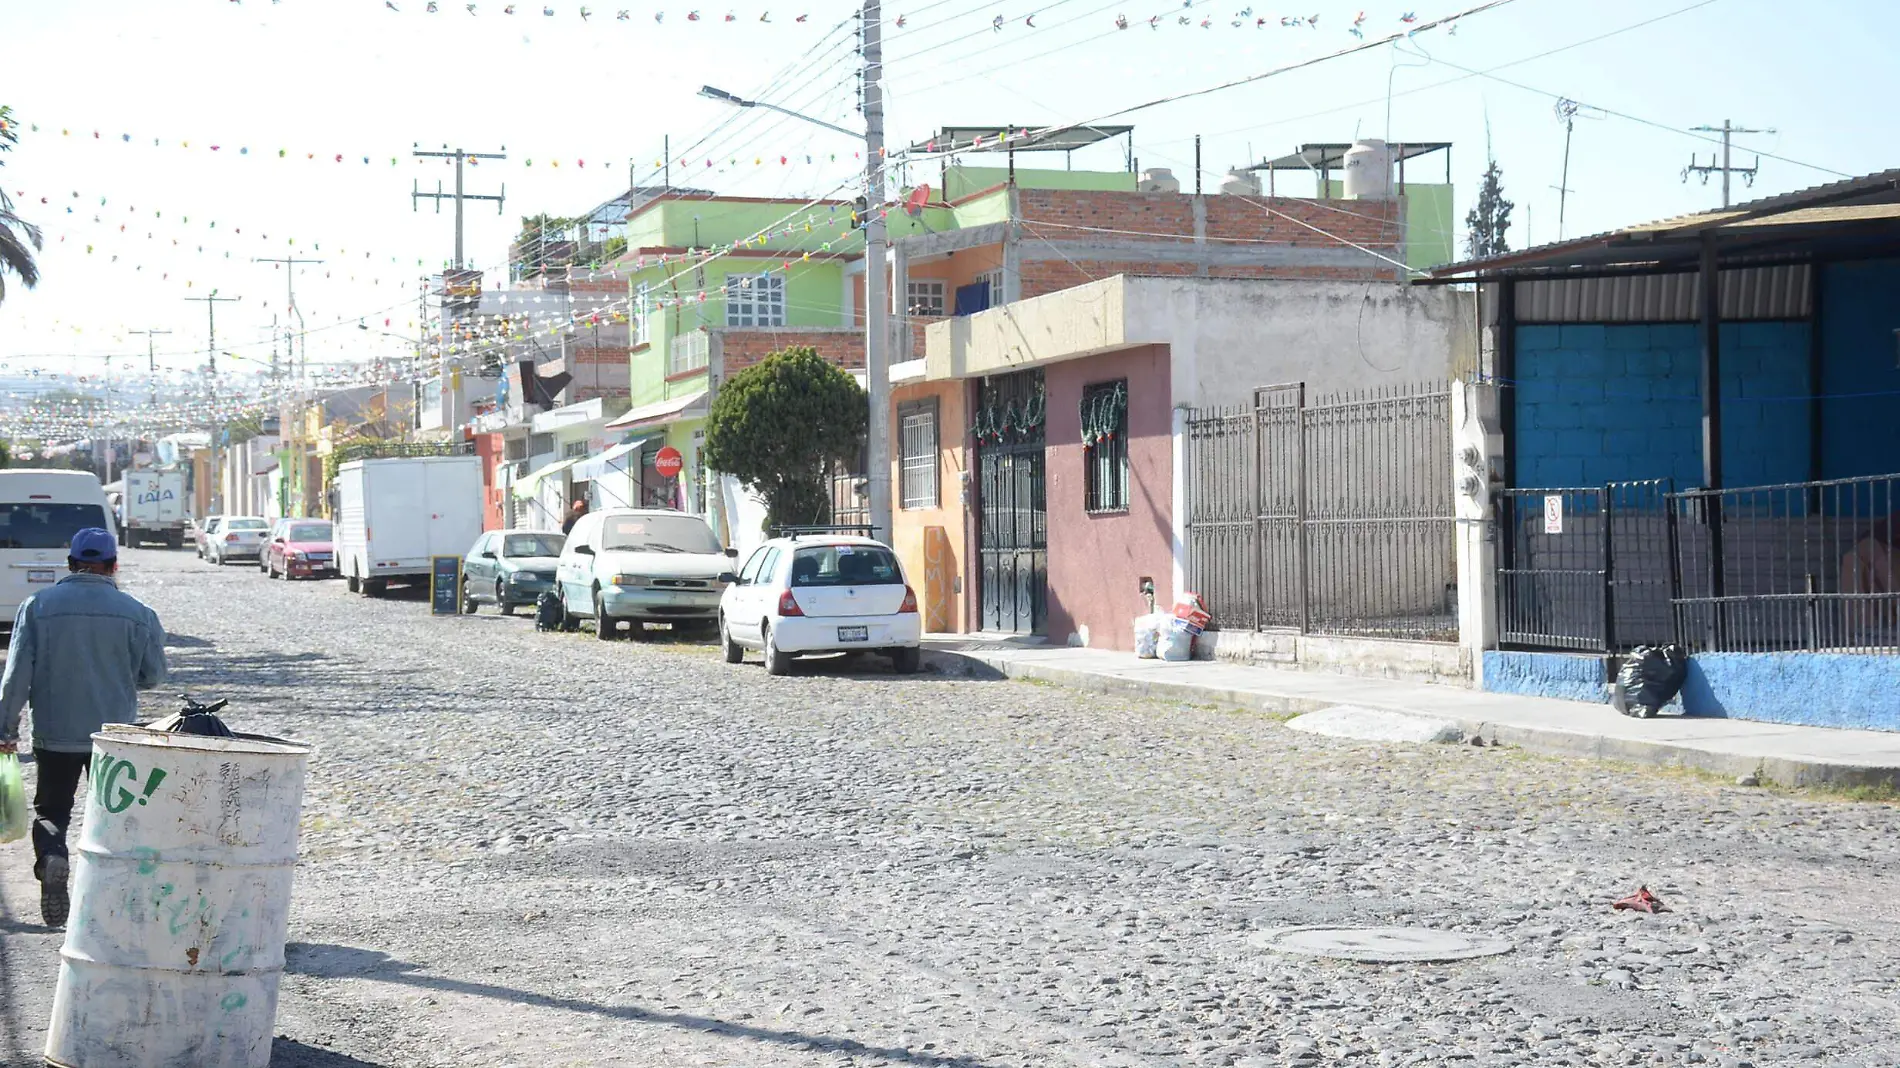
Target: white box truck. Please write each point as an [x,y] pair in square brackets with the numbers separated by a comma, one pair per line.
[153,508]
[393,514]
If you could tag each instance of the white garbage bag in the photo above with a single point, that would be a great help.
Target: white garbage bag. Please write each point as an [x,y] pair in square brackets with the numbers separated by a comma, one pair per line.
[1148,630]
[1178,643]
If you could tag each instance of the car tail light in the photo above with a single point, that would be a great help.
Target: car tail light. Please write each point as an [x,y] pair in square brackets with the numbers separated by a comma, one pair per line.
[788,605]
[910,601]
[230,537]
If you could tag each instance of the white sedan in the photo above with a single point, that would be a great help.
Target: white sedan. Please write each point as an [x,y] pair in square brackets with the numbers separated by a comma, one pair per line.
[820,594]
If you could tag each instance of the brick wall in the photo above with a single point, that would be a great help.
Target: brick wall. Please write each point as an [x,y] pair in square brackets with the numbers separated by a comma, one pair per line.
[743,347]
[599,355]
[1599,403]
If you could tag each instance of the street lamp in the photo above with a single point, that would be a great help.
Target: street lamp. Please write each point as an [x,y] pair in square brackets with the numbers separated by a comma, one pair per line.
[738,101]
[877,301]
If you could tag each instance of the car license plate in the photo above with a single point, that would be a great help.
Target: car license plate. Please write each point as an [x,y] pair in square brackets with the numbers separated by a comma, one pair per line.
[854,634]
[39,576]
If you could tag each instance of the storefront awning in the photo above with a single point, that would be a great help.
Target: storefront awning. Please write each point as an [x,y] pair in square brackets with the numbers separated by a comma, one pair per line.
[530,484]
[596,466]
[691,406]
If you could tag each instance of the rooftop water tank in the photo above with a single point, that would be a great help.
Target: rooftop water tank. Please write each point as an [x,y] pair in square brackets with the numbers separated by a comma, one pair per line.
[1241,183]
[1158,180]
[1369,170]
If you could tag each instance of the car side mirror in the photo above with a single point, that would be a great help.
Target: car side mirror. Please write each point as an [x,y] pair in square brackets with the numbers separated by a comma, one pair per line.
[490,555]
[733,553]
[584,550]
[727,578]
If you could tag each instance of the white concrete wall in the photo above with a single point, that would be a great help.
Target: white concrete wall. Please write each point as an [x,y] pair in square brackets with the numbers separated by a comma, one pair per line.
[1334,336]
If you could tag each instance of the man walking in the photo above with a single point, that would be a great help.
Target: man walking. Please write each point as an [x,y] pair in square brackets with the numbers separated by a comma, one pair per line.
[574,516]
[81,652]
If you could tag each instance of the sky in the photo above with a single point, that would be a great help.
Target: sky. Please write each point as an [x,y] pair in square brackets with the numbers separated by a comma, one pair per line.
[282,89]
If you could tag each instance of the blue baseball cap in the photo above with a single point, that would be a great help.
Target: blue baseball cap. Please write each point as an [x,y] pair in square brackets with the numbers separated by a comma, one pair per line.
[94,545]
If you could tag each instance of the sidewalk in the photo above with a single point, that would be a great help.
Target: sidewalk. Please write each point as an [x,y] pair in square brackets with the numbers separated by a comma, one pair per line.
[1786,754]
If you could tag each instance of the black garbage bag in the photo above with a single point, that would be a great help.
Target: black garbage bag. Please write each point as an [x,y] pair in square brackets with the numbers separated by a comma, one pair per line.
[195,718]
[1650,677]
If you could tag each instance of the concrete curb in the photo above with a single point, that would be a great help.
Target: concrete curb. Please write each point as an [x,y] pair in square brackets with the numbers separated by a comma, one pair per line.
[1545,740]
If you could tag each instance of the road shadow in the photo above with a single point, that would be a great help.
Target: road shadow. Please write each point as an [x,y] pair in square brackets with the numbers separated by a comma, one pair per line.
[322,961]
[186,641]
[290,1053]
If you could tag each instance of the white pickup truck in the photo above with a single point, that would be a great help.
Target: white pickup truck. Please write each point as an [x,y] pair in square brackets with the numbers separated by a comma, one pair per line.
[394,514]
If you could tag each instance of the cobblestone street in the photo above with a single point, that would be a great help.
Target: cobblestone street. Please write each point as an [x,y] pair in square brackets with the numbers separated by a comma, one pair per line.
[541,849]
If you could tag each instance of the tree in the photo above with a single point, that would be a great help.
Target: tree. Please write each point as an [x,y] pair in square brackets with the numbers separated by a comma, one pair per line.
[1489,222]
[19,239]
[779,424]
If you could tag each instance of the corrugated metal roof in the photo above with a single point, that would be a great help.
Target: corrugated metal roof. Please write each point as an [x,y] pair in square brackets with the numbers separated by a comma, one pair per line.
[1643,243]
[1752,293]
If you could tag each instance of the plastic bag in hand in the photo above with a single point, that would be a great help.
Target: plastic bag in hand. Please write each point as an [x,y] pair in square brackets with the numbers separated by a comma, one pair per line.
[14,819]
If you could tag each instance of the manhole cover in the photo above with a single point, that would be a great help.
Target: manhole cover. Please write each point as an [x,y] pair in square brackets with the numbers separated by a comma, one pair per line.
[1380,945]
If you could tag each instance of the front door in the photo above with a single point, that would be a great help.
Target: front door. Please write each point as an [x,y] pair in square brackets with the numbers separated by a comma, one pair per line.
[1012,521]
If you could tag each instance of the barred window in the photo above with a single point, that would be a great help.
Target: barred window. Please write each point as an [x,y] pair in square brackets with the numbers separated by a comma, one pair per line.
[925,297]
[1105,446]
[755,300]
[918,468]
[642,310]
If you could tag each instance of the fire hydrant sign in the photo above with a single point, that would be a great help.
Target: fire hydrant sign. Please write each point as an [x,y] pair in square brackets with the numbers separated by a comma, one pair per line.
[1553,514]
[668,462]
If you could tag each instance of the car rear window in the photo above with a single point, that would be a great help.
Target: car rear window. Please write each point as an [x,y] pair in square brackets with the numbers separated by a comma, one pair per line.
[845,565]
[46,526]
[247,524]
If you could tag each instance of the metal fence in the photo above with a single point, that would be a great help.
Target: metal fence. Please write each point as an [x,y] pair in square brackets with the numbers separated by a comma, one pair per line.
[1802,566]
[1330,514]
[1585,568]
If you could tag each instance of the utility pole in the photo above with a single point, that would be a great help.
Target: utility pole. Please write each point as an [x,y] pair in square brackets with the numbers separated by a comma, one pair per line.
[151,359]
[214,494]
[1728,129]
[108,419]
[458,196]
[877,302]
[290,278]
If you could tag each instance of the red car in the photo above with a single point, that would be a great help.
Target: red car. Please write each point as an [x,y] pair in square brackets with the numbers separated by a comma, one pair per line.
[299,548]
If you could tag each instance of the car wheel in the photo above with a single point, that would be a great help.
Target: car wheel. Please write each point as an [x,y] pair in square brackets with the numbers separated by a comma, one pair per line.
[354,583]
[506,608]
[569,621]
[776,662]
[735,653]
[604,625]
[906,661]
[468,599]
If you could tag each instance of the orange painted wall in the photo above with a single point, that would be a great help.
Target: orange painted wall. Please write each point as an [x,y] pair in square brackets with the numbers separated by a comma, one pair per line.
[934,543]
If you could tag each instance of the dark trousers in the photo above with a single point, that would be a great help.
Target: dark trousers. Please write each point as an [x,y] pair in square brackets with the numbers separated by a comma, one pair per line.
[53,793]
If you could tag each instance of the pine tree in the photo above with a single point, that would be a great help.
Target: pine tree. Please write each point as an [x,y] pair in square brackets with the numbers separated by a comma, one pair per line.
[1489,222]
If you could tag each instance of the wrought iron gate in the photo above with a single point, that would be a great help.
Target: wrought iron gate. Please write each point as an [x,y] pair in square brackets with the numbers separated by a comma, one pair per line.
[1586,569]
[1012,521]
[1328,514]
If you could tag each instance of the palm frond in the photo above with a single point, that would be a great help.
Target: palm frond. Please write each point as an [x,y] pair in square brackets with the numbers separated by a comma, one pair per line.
[19,239]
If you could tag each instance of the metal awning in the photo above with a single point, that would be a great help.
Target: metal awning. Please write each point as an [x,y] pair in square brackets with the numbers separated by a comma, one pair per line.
[595,466]
[691,406]
[529,484]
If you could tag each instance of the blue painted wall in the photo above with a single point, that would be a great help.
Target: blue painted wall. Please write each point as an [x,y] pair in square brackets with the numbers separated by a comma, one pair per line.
[1860,310]
[1613,403]
[1809,689]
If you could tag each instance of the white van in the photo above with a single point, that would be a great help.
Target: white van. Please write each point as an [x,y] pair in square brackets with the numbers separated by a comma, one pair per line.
[40,511]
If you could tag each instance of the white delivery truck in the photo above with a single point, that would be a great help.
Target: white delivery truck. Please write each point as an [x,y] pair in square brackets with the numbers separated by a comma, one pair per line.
[153,508]
[394,514]
[40,511]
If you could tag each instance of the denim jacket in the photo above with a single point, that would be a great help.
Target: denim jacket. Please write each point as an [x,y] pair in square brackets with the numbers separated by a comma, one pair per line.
[81,652]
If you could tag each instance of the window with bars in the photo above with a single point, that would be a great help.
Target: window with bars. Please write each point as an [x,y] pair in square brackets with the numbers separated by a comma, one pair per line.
[755,300]
[917,460]
[573,450]
[642,310]
[1105,446]
[925,297]
[690,352]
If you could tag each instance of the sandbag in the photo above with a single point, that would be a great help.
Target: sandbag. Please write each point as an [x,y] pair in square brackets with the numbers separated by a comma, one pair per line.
[1650,677]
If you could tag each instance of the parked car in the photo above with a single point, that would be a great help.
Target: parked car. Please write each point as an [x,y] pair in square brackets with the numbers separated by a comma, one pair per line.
[510,568]
[40,511]
[202,533]
[238,537]
[822,594]
[299,548]
[640,565]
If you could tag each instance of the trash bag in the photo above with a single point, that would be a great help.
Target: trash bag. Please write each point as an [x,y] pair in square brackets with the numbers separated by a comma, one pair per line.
[14,819]
[1650,677]
[195,718]
[547,612]
[1178,643]
[1148,630]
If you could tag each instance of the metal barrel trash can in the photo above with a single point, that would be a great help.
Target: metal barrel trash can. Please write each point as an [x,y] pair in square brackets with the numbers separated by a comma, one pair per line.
[181,900]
